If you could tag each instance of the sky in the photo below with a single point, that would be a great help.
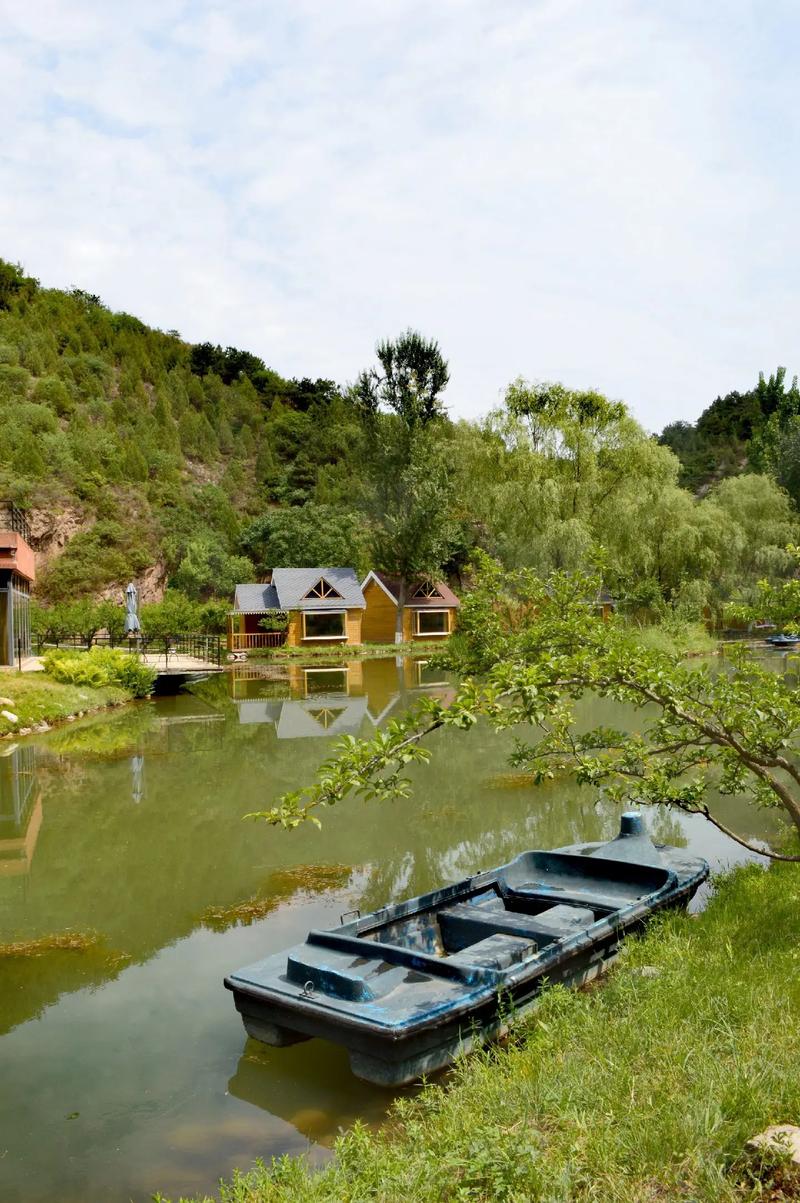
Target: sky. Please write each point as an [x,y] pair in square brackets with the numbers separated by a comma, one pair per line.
[598,192]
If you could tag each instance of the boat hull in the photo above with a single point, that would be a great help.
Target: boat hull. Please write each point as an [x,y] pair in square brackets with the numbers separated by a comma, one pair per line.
[439,1002]
[385,1062]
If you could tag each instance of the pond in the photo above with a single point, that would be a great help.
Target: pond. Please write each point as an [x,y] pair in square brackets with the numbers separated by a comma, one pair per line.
[125,1068]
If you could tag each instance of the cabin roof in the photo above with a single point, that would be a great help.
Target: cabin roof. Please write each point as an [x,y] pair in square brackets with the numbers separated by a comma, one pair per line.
[390,584]
[294,584]
[290,588]
[254,599]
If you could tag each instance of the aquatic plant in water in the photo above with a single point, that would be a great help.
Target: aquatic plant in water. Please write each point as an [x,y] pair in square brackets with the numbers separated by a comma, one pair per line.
[68,941]
[279,887]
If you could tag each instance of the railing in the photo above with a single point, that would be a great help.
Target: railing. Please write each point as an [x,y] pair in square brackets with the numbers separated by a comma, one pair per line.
[254,671]
[238,642]
[207,648]
[13,518]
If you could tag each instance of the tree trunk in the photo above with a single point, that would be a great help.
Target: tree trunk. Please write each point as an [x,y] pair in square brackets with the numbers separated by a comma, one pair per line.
[401,605]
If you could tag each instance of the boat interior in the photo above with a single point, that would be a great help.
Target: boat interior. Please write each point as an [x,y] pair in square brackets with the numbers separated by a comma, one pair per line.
[477,929]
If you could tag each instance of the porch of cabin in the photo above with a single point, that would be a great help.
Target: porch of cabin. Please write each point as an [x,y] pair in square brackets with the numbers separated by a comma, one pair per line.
[305,628]
[245,634]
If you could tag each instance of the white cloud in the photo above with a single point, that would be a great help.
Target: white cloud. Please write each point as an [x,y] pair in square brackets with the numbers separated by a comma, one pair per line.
[596,193]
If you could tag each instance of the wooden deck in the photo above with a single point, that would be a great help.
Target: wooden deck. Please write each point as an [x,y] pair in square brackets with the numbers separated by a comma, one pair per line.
[30,664]
[175,664]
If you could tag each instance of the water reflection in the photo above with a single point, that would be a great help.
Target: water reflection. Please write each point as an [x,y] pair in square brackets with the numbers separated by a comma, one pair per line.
[20,809]
[311,1088]
[307,702]
[144,840]
[137,778]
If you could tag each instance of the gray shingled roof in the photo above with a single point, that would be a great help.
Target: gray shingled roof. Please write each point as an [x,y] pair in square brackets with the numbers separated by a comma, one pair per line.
[292,585]
[250,599]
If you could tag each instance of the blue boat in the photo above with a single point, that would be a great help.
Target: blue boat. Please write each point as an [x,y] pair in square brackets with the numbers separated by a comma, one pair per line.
[408,988]
[783,640]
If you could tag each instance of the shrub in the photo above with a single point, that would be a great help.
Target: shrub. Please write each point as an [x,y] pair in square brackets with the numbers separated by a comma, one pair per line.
[278,621]
[14,382]
[100,666]
[173,615]
[52,391]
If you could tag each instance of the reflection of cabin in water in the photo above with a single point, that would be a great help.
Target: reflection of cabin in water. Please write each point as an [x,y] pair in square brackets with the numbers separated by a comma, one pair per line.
[302,701]
[318,607]
[20,809]
[17,574]
[429,609]
[322,700]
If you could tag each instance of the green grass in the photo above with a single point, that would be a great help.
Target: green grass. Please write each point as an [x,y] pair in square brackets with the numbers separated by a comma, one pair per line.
[359,651]
[37,699]
[643,1089]
[688,639]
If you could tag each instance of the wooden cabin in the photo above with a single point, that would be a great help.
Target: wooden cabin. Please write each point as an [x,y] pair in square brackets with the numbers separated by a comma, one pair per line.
[308,607]
[429,611]
[605,604]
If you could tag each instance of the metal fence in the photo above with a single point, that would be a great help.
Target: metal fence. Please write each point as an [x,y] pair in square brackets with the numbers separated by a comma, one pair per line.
[13,518]
[207,648]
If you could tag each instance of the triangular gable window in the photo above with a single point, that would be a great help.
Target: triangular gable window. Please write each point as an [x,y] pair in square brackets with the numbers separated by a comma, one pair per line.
[323,591]
[326,716]
[427,589]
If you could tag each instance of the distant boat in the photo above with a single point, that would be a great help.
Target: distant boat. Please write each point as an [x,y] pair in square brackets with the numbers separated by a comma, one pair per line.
[407,988]
[783,640]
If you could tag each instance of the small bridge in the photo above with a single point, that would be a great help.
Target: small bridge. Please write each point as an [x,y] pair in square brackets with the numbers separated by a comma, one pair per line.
[179,655]
[176,658]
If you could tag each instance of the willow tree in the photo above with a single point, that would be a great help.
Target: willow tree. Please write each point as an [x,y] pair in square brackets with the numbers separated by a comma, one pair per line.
[555,472]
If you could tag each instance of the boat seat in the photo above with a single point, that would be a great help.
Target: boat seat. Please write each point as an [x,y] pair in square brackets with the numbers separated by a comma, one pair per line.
[463,925]
[357,979]
[536,893]
[495,952]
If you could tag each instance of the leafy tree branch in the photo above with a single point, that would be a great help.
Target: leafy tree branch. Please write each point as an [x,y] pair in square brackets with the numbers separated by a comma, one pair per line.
[528,650]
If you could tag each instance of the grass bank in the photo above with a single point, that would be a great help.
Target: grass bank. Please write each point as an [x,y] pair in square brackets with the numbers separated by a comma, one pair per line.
[359,651]
[683,639]
[37,700]
[643,1089]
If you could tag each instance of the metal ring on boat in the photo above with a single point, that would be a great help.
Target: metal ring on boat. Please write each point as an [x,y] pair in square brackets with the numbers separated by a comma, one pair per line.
[308,990]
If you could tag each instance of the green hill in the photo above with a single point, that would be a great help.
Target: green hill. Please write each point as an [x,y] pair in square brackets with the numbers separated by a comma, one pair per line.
[140,453]
[759,429]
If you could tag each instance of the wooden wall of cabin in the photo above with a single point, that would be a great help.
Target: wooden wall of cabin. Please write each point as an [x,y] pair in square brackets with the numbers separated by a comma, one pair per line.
[236,626]
[409,623]
[294,632]
[378,625]
[353,624]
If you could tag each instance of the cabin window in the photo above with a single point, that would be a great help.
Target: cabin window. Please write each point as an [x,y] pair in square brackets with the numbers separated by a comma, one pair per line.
[427,589]
[427,676]
[323,590]
[432,622]
[324,624]
[325,680]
